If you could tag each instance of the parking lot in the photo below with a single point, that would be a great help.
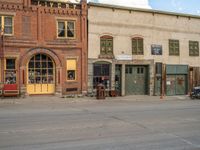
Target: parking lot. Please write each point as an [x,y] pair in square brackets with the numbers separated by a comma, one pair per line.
[123,123]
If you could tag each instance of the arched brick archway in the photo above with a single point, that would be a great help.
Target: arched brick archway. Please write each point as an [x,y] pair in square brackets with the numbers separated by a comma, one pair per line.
[27,56]
[24,71]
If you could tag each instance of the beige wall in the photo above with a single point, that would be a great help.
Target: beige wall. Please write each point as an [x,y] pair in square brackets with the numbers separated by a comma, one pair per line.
[155,28]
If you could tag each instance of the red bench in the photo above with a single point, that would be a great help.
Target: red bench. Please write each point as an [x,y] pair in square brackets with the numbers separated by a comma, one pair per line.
[10,90]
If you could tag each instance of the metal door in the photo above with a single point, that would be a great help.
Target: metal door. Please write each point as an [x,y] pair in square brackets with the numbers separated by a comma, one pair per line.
[180,84]
[176,85]
[158,86]
[171,85]
[136,80]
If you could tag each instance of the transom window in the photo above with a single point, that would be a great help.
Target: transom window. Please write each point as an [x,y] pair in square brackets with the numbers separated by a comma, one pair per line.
[174,47]
[137,46]
[193,48]
[106,45]
[66,29]
[6,25]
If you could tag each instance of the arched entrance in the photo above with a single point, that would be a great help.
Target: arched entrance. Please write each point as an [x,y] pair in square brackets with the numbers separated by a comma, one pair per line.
[41,75]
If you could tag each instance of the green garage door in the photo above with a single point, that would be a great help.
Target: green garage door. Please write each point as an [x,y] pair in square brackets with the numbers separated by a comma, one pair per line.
[176,79]
[176,85]
[136,80]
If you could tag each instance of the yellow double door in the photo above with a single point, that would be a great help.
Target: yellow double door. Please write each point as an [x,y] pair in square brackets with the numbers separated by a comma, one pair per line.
[40,88]
[40,75]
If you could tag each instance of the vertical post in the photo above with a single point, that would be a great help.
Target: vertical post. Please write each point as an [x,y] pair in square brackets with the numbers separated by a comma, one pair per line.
[84,54]
[191,71]
[123,80]
[2,54]
[163,81]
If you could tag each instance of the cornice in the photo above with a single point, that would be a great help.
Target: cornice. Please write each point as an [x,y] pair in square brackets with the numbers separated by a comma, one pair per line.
[11,6]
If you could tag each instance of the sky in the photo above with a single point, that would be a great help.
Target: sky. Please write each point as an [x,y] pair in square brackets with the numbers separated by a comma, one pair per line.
[180,6]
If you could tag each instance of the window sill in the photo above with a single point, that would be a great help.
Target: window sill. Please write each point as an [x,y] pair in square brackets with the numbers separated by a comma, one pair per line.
[8,35]
[74,81]
[106,56]
[194,55]
[66,38]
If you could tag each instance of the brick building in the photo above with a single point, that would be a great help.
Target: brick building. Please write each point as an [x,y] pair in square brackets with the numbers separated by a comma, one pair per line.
[43,46]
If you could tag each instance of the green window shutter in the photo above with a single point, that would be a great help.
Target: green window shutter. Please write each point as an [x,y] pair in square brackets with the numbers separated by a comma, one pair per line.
[137,46]
[140,46]
[177,47]
[109,46]
[134,46]
[103,46]
[193,48]
[174,47]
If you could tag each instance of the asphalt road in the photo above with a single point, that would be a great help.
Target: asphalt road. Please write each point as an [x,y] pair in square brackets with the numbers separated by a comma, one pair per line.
[54,124]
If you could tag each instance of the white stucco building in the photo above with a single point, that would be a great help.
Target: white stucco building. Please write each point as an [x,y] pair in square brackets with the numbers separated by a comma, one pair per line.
[142,51]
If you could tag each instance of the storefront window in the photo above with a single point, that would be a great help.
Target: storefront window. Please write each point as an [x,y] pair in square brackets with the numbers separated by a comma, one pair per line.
[101,75]
[71,69]
[10,71]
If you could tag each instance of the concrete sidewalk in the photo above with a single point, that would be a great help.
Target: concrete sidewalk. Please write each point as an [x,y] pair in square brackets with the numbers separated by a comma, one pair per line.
[55,99]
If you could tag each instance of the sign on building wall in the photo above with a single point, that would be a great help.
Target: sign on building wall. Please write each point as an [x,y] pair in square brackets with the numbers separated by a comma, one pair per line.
[124,57]
[156,49]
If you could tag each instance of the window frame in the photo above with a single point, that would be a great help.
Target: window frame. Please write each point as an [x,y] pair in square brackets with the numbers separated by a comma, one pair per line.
[2,25]
[173,47]
[191,44]
[106,40]
[66,29]
[137,52]
[9,70]
[75,69]
[103,76]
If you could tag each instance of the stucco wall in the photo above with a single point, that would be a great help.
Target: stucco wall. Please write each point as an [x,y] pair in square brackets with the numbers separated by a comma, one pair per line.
[154,28]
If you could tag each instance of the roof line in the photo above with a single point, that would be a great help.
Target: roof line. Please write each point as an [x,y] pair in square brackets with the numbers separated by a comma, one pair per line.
[142,10]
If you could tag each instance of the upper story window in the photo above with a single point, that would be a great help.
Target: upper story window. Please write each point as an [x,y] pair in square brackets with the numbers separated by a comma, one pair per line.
[137,46]
[66,29]
[174,47]
[6,25]
[106,45]
[193,48]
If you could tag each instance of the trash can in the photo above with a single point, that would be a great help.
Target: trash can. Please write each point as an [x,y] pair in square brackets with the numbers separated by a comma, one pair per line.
[100,91]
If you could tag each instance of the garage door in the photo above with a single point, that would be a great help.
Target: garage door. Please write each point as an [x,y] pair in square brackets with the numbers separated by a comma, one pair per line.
[136,80]
[176,85]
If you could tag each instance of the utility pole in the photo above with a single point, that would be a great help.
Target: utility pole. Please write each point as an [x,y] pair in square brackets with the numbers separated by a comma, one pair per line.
[2,55]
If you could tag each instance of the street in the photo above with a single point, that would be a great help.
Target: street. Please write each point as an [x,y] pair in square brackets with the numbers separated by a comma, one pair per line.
[51,123]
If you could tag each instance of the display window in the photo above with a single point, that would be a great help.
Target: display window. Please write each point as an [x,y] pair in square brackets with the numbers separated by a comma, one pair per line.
[10,71]
[71,69]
